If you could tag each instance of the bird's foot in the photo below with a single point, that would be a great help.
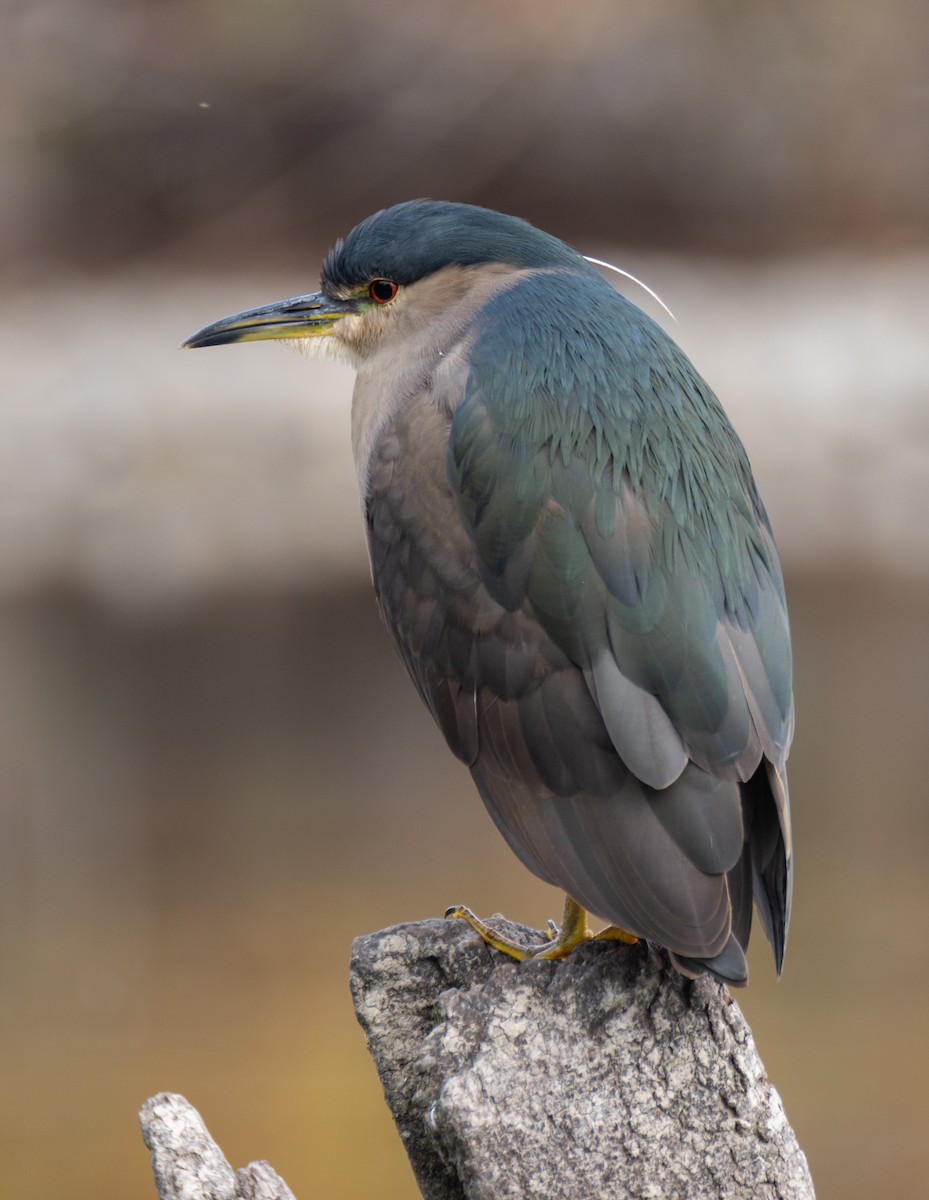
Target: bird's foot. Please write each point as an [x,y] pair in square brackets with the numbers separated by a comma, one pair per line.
[492,937]
[561,940]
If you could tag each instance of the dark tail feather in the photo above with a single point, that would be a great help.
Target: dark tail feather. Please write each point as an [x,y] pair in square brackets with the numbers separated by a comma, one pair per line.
[729,965]
[739,880]
[772,866]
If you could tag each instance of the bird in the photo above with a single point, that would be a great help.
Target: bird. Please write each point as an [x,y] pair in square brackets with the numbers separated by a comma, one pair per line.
[572,559]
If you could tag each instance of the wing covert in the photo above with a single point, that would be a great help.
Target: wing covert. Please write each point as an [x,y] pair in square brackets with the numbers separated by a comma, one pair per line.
[686,650]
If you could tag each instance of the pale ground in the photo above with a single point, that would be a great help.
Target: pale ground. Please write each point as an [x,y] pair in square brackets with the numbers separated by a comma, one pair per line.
[148,475]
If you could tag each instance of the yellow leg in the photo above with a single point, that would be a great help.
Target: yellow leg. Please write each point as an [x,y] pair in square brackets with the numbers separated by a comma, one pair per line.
[572,932]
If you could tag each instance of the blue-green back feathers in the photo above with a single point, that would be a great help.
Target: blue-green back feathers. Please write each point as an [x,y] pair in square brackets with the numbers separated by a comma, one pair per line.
[601,481]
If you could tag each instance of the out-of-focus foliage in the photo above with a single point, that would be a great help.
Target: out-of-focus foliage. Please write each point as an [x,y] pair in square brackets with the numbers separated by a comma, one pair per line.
[127,124]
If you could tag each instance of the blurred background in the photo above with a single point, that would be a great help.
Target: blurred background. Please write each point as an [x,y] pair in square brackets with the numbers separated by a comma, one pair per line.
[213,771]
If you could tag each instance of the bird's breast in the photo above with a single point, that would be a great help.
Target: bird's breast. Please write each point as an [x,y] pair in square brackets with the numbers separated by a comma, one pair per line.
[416,538]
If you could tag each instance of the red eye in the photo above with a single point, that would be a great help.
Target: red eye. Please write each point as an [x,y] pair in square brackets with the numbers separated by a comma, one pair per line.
[382,291]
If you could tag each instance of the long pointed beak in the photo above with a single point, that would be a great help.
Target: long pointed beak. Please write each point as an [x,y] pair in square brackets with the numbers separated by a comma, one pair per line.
[301,317]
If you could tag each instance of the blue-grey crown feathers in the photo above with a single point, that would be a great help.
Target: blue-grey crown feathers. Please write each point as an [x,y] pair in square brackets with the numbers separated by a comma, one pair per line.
[413,240]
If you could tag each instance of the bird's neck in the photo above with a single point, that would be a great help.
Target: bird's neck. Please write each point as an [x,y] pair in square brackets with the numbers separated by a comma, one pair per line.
[421,353]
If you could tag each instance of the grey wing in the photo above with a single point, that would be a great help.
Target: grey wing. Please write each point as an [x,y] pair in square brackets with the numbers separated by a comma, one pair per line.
[605,776]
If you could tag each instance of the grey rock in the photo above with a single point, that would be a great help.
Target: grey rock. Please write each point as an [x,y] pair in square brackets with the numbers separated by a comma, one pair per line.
[605,1075]
[188,1164]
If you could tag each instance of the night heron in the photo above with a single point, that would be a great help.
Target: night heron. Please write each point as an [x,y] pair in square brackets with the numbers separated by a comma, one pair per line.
[573,561]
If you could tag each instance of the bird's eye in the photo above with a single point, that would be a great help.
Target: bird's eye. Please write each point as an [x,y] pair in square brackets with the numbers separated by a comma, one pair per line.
[382,291]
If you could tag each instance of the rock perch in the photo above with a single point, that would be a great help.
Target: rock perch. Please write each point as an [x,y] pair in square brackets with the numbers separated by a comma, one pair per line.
[604,1075]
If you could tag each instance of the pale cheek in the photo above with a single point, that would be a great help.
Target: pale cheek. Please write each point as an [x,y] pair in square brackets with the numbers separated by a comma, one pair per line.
[358,337]
[329,348]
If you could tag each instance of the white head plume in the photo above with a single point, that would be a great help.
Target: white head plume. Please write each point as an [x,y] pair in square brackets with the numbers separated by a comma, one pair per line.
[619,271]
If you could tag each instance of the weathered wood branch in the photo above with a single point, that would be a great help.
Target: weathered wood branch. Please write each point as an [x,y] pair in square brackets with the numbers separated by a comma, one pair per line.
[605,1075]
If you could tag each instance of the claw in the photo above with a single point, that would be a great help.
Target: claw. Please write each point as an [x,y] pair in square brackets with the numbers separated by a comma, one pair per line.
[560,941]
[499,941]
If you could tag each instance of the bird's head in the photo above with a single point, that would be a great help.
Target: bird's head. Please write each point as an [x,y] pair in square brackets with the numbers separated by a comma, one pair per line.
[397,270]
